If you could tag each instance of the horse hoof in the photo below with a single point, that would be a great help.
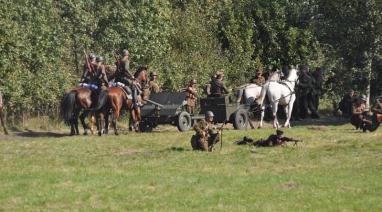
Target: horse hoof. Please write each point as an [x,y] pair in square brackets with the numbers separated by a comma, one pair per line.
[85,133]
[99,133]
[116,133]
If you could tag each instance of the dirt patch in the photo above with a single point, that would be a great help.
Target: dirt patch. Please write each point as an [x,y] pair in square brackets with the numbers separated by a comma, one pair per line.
[288,185]
[127,152]
[319,128]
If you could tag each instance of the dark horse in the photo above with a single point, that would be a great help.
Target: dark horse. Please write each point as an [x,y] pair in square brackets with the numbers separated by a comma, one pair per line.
[77,100]
[2,115]
[117,99]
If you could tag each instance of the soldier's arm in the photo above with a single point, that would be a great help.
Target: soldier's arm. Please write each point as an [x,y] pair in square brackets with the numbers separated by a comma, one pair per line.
[198,129]
[355,112]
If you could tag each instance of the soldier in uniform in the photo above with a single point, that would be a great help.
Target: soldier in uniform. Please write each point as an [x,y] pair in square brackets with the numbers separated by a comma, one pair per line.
[191,97]
[206,136]
[274,140]
[359,113]
[305,87]
[346,103]
[378,107]
[259,79]
[218,87]
[153,84]
[100,78]
[88,68]
[317,87]
[124,76]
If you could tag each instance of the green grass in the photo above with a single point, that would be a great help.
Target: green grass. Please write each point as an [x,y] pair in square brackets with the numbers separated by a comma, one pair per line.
[336,169]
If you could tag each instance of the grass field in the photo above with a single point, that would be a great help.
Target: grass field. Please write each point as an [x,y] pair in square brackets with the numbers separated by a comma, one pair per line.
[335,168]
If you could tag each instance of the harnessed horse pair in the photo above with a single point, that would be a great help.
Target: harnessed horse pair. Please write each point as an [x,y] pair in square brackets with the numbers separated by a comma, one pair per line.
[278,93]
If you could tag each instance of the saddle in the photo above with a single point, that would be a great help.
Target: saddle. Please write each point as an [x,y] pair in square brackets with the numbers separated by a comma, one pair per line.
[89,86]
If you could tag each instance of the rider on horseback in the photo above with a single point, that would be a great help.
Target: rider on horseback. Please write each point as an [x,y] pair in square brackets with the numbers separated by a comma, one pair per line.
[88,69]
[99,77]
[124,78]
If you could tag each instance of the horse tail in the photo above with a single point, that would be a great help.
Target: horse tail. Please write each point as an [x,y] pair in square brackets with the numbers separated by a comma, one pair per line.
[260,100]
[68,104]
[102,100]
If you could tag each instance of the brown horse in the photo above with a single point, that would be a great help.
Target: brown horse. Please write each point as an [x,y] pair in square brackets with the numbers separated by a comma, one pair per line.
[77,100]
[117,99]
[2,115]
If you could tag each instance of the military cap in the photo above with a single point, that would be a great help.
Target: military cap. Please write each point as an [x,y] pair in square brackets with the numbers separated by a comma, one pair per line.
[193,81]
[363,97]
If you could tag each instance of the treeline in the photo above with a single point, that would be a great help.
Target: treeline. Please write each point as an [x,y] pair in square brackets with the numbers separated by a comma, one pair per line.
[42,43]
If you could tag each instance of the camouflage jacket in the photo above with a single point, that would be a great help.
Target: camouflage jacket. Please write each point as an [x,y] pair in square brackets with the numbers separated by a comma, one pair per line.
[204,129]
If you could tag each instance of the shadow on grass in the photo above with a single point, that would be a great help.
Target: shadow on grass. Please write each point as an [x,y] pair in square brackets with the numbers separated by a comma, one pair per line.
[34,134]
[176,149]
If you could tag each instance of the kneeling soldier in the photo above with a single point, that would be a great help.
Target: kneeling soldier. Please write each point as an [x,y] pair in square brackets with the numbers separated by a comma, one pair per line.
[206,136]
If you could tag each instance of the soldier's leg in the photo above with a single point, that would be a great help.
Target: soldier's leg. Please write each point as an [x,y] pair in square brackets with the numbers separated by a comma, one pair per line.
[203,144]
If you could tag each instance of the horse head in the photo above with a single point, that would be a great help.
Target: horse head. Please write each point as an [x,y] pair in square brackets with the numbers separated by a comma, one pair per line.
[293,75]
[141,75]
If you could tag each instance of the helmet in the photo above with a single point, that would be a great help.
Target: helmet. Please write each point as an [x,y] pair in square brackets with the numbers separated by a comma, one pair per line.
[193,81]
[154,73]
[125,52]
[99,59]
[363,97]
[209,114]
[92,56]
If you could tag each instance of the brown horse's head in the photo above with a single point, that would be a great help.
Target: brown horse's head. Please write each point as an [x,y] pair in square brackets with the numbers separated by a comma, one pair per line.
[141,76]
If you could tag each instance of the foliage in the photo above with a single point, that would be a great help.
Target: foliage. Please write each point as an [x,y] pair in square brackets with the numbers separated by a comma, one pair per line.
[42,43]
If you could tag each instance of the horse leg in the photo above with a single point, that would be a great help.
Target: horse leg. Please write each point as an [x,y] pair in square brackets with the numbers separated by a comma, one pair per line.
[107,115]
[288,115]
[262,113]
[274,110]
[76,121]
[114,121]
[84,125]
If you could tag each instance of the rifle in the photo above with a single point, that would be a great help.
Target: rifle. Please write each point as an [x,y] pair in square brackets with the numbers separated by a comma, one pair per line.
[221,134]
[294,140]
[90,68]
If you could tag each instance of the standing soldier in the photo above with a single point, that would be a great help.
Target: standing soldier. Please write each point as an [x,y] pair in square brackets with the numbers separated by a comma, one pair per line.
[88,68]
[192,94]
[305,87]
[206,136]
[317,87]
[100,78]
[218,87]
[153,84]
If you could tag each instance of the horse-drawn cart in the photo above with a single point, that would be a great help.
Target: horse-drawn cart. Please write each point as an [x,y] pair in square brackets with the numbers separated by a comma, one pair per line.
[168,108]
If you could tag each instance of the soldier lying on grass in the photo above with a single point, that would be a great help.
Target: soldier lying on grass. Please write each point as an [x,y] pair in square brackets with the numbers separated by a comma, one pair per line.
[273,140]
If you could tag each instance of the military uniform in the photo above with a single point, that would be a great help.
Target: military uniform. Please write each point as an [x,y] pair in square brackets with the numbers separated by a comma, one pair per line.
[358,114]
[154,87]
[123,73]
[259,80]
[206,136]
[218,87]
[99,77]
[305,89]
[191,97]
[274,140]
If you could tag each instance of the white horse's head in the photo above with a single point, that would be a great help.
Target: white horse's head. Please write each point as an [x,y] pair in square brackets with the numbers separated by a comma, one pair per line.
[292,77]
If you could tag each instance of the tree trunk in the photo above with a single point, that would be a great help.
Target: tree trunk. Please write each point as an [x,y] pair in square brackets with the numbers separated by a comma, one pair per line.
[368,69]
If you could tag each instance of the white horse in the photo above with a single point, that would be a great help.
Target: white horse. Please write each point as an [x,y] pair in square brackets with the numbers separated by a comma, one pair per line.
[280,93]
[252,92]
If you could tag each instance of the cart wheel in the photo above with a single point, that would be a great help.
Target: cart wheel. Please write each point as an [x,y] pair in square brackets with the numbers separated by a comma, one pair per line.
[240,119]
[145,126]
[184,121]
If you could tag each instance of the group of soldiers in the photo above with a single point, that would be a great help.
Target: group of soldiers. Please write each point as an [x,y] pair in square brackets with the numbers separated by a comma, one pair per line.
[95,77]
[307,93]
